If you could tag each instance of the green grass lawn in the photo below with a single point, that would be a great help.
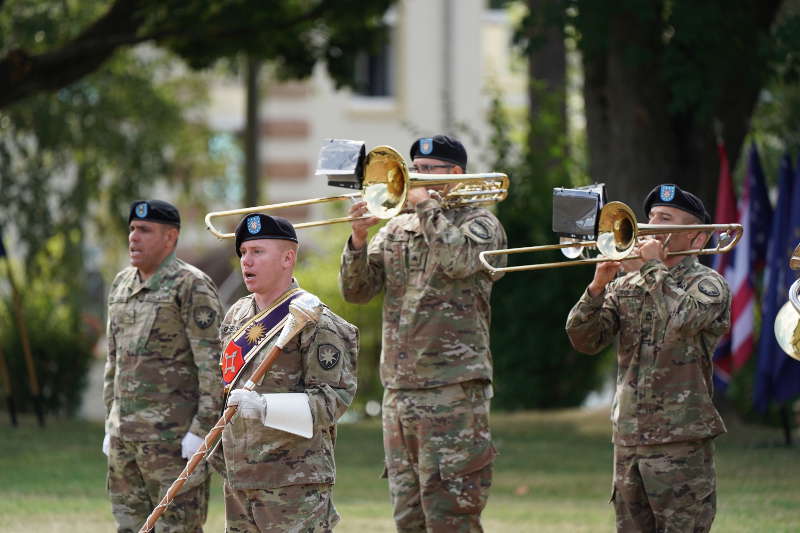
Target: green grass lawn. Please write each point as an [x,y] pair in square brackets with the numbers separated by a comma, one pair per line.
[553,474]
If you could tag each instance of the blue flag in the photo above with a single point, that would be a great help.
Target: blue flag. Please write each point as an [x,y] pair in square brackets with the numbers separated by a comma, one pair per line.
[760,215]
[775,368]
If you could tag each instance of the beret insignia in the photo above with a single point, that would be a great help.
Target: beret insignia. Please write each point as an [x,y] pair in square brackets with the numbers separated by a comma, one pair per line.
[666,193]
[203,316]
[328,356]
[254,224]
[426,146]
[141,210]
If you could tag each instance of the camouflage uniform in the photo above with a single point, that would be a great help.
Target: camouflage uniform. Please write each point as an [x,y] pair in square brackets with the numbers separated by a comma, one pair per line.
[436,365]
[161,381]
[277,481]
[669,321]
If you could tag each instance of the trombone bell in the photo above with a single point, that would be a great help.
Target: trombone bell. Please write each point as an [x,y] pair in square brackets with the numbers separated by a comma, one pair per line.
[617,234]
[384,187]
[787,323]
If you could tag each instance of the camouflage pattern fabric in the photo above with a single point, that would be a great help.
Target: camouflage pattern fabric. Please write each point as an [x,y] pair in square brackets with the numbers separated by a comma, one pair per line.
[139,474]
[436,316]
[292,509]
[665,488]
[161,375]
[161,381]
[439,455]
[669,322]
[321,362]
[436,309]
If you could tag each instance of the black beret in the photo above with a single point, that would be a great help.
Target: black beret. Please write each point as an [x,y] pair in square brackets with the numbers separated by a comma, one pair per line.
[258,226]
[671,195]
[440,147]
[155,211]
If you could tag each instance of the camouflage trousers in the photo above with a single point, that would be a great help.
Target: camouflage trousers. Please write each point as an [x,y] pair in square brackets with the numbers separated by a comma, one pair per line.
[292,509]
[439,454]
[665,488]
[139,474]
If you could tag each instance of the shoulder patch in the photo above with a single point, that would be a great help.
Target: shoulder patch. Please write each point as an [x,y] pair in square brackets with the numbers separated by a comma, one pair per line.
[480,229]
[708,288]
[203,316]
[328,356]
[709,291]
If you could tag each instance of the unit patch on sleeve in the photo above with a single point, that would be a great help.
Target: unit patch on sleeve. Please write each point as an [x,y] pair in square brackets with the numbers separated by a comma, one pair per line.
[328,356]
[204,316]
[480,230]
[708,288]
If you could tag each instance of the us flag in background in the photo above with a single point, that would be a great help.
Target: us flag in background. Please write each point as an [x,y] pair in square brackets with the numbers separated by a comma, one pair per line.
[739,266]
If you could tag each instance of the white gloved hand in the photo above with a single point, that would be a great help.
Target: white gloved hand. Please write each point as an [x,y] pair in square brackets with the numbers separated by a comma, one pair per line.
[106,444]
[190,444]
[251,404]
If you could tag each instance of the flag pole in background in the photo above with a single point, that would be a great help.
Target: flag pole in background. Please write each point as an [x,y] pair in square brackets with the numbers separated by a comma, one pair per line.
[26,346]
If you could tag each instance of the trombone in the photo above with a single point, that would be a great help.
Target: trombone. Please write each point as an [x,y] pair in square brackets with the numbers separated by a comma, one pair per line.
[787,321]
[617,234]
[384,186]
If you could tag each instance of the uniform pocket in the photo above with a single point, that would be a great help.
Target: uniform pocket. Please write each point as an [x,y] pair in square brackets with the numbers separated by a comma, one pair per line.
[465,434]
[395,260]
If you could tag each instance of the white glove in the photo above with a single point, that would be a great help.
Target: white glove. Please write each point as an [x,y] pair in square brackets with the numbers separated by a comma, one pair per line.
[251,404]
[190,444]
[106,444]
[288,411]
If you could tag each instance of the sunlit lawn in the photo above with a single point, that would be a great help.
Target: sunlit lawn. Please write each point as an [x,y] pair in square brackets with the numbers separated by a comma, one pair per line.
[553,474]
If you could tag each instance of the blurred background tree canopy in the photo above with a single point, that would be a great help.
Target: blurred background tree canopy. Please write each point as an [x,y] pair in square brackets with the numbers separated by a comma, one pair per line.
[654,77]
[88,121]
[96,100]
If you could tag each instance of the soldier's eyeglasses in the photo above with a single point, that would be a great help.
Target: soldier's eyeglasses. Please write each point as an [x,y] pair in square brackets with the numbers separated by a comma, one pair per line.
[425,169]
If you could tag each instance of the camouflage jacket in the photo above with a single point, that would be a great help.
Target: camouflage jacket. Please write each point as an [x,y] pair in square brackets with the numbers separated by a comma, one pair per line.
[161,375]
[669,322]
[258,457]
[436,310]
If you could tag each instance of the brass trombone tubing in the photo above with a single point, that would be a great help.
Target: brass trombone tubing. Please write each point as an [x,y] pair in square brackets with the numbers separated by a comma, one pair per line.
[414,180]
[642,229]
[256,209]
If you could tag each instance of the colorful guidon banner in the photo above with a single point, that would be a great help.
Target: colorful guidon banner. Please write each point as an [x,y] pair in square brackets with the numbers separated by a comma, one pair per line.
[253,335]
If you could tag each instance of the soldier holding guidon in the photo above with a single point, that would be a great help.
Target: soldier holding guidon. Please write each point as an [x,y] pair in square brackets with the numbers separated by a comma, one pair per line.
[279,447]
[162,390]
[669,313]
[436,364]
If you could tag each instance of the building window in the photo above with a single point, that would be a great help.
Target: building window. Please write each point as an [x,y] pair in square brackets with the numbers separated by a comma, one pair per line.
[373,73]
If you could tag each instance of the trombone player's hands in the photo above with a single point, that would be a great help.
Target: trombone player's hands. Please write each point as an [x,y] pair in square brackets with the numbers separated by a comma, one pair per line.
[603,273]
[358,237]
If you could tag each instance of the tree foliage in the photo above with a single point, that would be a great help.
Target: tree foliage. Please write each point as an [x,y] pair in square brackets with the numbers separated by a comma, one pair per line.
[534,364]
[659,74]
[90,121]
[293,34]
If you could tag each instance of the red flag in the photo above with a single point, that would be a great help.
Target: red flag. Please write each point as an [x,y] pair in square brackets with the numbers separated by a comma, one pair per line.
[736,347]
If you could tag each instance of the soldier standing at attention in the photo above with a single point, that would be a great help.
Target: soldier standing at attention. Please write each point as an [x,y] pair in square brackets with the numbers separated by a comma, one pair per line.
[669,312]
[278,480]
[162,390]
[436,365]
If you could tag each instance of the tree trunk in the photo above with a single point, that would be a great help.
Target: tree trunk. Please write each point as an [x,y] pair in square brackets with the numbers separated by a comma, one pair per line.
[251,134]
[636,139]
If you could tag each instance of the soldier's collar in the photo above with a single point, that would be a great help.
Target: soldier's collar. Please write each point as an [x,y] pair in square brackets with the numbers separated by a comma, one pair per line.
[686,263]
[166,266]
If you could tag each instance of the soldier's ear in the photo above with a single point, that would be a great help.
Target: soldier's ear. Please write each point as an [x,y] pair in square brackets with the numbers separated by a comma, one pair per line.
[172,234]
